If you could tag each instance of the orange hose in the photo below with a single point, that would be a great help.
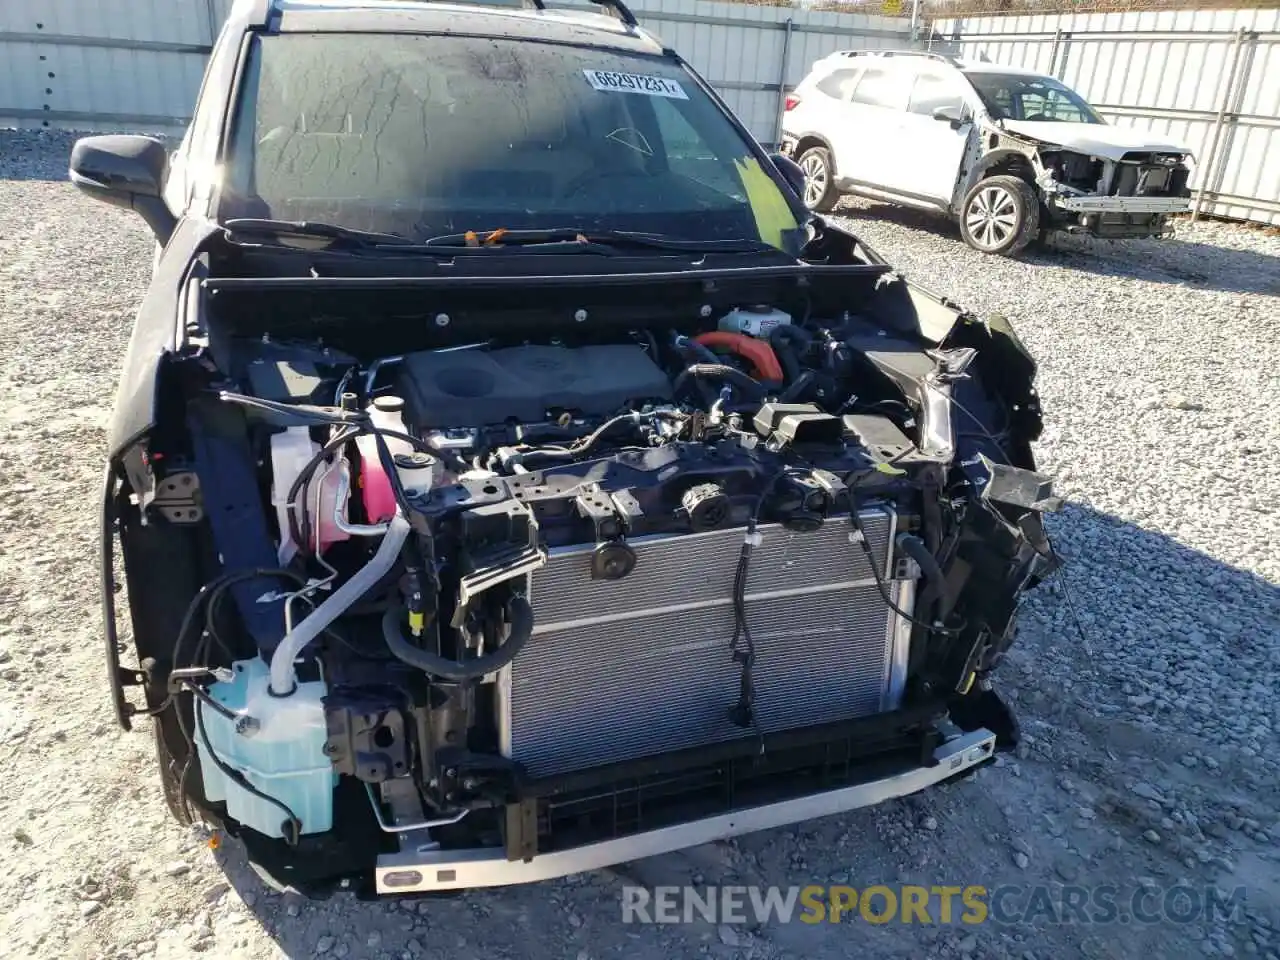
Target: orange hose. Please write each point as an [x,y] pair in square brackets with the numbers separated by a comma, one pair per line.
[758,353]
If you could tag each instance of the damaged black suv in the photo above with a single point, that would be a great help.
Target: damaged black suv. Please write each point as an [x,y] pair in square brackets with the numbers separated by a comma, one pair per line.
[511,477]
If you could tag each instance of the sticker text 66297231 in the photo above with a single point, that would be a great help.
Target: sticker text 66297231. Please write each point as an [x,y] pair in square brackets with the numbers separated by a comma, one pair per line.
[614,82]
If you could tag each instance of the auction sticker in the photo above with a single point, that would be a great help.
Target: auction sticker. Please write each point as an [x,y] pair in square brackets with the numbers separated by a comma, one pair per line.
[614,82]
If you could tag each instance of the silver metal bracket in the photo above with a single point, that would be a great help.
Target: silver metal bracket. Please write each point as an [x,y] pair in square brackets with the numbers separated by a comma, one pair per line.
[408,820]
[178,498]
[519,563]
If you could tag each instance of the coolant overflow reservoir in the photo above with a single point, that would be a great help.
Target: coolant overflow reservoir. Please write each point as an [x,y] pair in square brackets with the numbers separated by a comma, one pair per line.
[756,321]
[386,413]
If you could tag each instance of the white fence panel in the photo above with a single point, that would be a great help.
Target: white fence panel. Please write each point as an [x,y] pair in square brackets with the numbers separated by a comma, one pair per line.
[103,64]
[1209,78]
[136,64]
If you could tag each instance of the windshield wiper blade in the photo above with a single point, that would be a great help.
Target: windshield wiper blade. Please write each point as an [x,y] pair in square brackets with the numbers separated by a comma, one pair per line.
[312,228]
[569,237]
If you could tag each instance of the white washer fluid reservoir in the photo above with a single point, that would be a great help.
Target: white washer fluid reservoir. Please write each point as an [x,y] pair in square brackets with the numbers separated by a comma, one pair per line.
[280,751]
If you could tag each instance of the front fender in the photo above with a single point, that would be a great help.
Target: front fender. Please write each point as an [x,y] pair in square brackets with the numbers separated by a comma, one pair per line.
[156,335]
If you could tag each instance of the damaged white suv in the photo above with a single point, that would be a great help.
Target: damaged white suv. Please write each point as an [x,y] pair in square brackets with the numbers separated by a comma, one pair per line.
[1009,153]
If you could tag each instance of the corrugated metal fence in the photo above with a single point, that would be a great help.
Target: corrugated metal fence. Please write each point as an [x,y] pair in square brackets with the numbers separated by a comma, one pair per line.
[136,64]
[1210,78]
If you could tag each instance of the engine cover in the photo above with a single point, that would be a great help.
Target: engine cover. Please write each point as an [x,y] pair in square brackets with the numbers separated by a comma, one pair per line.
[478,388]
[622,669]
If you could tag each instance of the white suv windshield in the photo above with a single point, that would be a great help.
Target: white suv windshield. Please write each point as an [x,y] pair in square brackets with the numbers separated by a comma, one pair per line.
[1022,97]
[427,135]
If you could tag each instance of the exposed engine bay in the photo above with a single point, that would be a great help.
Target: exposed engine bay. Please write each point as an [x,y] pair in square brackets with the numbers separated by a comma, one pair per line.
[519,591]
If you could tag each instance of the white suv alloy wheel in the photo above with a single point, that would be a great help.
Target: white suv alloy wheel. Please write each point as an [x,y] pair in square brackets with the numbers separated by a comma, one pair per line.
[992,217]
[1000,215]
[815,178]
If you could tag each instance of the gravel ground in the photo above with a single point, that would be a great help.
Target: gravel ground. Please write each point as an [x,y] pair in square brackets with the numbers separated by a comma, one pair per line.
[1151,754]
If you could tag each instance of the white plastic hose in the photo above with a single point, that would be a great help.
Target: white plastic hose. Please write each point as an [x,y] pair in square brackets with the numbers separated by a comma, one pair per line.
[340,499]
[296,640]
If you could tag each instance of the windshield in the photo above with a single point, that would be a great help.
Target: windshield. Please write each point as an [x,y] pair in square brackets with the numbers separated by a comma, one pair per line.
[1021,97]
[427,135]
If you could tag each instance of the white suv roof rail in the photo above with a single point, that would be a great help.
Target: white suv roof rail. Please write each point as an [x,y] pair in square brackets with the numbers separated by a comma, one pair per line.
[928,54]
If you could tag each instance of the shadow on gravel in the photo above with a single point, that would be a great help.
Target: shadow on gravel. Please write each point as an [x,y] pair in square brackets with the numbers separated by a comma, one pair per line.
[1172,261]
[1155,611]
[35,154]
[1170,630]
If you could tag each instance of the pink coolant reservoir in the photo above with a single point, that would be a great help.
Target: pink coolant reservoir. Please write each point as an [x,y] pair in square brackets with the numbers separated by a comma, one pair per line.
[386,413]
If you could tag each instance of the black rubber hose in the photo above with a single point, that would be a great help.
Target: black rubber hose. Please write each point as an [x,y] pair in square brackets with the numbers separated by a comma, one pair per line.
[917,550]
[786,340]
[521,630]
[586,444]
[799,336]
[702,372]
[867,554]
[788,360]
[692,350]
[797,387]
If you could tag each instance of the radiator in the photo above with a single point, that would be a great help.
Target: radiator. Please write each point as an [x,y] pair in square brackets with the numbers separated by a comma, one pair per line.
[617,670]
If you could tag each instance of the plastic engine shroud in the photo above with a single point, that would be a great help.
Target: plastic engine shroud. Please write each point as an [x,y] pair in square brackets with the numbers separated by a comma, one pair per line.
[479,388]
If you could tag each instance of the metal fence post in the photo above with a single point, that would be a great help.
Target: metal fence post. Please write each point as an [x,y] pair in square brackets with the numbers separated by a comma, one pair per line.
[782,82]
[1231,122]
[215,25]
[1062,43]
[1237,47]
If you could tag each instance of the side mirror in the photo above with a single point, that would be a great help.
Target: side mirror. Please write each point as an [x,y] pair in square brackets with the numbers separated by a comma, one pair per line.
[954,114]
[790,171]
[125,171]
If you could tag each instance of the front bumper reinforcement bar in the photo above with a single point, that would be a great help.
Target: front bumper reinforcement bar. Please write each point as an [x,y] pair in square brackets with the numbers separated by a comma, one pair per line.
[1124,204]
[424,869]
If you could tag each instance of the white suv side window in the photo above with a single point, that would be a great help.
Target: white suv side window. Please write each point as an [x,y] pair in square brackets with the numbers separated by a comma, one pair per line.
[880,87]
[839,84]
[1051,105]
[932,91]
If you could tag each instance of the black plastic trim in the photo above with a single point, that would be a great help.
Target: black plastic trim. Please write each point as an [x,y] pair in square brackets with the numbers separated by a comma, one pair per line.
[876,728]
[798,270]
[107,584]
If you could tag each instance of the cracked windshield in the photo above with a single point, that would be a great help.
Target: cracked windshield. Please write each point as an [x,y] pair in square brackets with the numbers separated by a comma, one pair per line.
[428,135]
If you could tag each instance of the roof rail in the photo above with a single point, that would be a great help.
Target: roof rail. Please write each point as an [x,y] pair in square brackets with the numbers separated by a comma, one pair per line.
[617,8]
[620,10]
[927,54]
[261,11]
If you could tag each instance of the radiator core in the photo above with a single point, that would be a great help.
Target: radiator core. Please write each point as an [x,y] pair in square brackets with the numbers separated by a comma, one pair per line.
[618,670]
